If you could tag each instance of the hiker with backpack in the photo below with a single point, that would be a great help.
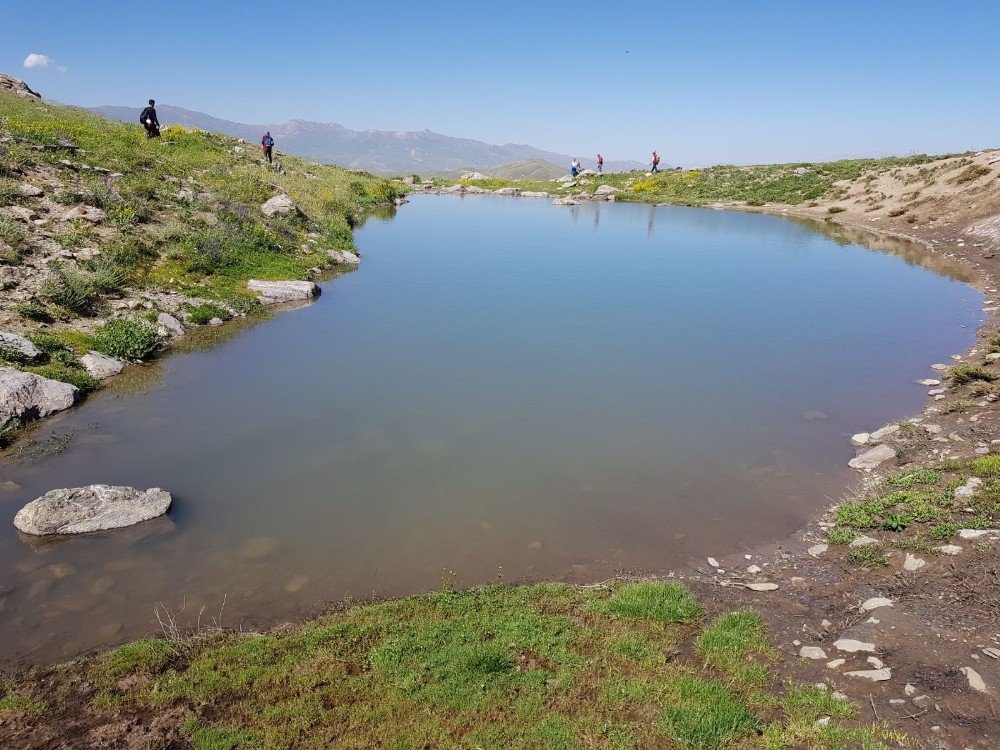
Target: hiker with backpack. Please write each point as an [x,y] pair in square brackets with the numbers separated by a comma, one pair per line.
[267,143]
[149,121]
[600,164]
[656,162]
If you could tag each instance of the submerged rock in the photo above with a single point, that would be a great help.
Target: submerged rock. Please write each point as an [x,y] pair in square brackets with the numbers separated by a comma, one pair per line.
[276,292]
[25,396]
[101,366]
[97,507]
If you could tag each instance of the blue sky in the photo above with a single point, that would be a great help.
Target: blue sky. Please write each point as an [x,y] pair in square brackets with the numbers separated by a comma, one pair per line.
[703,82]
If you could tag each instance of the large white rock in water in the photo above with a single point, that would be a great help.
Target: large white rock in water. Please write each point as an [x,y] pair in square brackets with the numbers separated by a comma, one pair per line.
[19,345]
[872,458]
[276,292]
[101,366]
[25,396]
[95,508]
[280,204]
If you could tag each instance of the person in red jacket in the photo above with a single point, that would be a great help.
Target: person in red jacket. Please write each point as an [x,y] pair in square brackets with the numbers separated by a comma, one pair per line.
[600,163]
[267,143]
[656,162]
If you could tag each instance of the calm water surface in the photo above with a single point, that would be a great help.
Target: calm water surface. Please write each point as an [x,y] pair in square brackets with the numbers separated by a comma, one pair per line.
[504,384]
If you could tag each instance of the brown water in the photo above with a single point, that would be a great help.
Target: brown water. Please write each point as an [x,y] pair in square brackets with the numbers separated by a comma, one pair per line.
[503,385]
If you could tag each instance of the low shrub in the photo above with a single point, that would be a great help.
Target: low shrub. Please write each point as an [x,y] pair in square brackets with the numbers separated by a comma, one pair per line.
[836,210]
[126,338]
[33,310]
[73,291]
[965,373]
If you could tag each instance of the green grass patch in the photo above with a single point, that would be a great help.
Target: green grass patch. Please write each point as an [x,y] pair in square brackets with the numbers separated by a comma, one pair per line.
[201,314]
[987,466]
[705,715]
[126,338]
[966,373]
[667,602]
[870,556]
[734,642]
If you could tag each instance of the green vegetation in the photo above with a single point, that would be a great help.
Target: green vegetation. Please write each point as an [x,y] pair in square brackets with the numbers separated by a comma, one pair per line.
[920,501]
[966,373]
[792,184]
[545,666]
[201,314]
[13,703]
[58,360]
[126,338]
[182,213]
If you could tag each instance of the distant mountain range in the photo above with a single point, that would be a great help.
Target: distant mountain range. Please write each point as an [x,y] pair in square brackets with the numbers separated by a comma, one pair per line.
[381,151]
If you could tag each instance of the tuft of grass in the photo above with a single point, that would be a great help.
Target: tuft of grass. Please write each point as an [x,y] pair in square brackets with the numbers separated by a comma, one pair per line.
[201,314]
[841,535]
[73,291]
[870,556]
[147,656]
[732,644]
[914,477]
[13,703]
[667,602]
[987,466]
[705,715]
[970,173]
[33,310]
[966,373]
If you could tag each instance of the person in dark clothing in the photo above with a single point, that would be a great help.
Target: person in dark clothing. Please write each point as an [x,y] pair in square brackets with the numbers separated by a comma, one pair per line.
[656,162]
[600,164]
[149,121]
[267,143]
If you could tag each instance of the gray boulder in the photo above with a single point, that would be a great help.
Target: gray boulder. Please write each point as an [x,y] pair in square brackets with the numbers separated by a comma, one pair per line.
[276,292]
[97,507]
[19,346]
[344,258]
[507,191]
[565,202]
[535,194]
[606,190]
[101,366]
[87,213]
[169,325]
[872,458]
[281,204]
[25,396]
[17,86]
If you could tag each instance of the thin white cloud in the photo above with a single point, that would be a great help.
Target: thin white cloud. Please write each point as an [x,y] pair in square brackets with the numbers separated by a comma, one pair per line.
[36,60]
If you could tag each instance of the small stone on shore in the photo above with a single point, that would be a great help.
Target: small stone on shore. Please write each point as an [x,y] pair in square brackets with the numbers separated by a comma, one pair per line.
[762,586]
[872,458]
[812,652]
[818,549]
[876,602]
[875,675]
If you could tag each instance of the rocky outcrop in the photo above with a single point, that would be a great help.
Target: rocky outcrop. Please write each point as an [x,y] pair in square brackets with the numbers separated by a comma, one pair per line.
[281,204]
[97,507]
[17,86]
[18,346]
[101,366]
[344,258]
[169,325]
[276,292]
[25,396]
[87,213]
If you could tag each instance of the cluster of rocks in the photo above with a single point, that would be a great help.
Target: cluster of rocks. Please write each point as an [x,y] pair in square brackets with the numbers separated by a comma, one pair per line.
[17,86]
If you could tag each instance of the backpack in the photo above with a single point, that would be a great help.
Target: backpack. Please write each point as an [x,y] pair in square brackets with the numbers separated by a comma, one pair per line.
[143,116]
[268,141]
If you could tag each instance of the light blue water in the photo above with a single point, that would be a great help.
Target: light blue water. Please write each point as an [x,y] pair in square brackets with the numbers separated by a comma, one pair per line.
[503,384]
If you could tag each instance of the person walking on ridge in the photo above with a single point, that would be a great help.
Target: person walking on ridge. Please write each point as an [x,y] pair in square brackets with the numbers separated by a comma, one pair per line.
[656,162]
[267,143]
[149,120]
[574,167]
[600,164]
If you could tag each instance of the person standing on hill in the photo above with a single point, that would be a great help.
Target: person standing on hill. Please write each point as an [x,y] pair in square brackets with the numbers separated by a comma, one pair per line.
[574,167]
[656,162]
[149,120]
[600,164]
[267,143]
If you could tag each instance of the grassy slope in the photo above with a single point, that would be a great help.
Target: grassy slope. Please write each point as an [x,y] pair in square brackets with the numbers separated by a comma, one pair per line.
[753,185]
[551,666]
[151,239]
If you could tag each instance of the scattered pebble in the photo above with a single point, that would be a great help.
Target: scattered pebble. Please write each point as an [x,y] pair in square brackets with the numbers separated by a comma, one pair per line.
[818,549]
[876,662]
[862,540]
[753,569]
[876,602]
[975,680]
[812,652]
[835,663]
[913,562]
[852,646]
[949,549]
[860,438]
[875,675]
[762,586]
[713,562]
